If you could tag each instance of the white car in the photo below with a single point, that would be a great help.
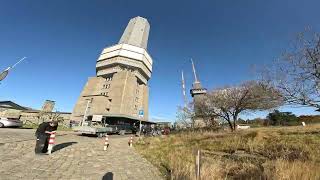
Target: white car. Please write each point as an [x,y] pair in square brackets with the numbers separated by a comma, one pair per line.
[10,122]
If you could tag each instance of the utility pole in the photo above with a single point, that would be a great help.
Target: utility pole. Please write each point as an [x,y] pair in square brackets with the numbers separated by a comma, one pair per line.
[140,128]
[141,114]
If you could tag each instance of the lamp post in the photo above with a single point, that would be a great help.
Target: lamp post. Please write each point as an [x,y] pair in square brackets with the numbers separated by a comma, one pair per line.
[5,73]
[86,111]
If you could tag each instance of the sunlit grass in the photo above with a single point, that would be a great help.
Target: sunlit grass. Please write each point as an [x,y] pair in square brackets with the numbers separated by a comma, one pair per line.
[260,153]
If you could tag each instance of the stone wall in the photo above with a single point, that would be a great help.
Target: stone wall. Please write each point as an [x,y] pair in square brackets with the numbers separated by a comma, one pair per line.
[33,116]
[38,117]
[10,113]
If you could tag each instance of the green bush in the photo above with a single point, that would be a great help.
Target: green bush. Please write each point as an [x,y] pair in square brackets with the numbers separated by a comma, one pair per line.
[278,118]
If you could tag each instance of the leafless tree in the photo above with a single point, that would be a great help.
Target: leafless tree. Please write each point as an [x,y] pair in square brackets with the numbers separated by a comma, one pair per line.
[297,72]
[52,116]
[185,116]
[228,103]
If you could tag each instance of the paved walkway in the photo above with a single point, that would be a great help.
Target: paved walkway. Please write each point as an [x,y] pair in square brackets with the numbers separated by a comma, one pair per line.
[76,157]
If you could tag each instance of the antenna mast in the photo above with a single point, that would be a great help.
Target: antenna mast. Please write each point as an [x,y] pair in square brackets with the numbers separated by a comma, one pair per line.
[184,90]
[194,71]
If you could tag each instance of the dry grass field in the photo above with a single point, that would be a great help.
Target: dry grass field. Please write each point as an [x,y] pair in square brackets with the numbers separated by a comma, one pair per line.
[291,153]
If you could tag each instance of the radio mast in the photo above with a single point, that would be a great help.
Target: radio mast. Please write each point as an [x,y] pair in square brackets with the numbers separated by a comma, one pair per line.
[185,101]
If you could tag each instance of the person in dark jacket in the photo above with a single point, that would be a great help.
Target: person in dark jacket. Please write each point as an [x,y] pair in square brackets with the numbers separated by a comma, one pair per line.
[43,133]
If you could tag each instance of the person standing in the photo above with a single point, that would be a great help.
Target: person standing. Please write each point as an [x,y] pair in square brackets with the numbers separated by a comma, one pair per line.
[43,134]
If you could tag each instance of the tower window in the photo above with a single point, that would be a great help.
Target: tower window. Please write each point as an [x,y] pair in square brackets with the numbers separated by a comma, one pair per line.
[110,100]
[108,109]
[109,79]
[104,93]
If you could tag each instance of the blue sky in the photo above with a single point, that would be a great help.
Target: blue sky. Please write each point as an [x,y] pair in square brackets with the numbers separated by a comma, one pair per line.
[62,40]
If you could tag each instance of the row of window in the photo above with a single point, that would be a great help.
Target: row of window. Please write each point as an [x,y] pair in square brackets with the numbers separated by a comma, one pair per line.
[109,79]
[110,100]
[104,93]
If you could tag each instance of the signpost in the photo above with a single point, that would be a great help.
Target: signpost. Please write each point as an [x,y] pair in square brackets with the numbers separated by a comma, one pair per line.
[198,164]
[141,114]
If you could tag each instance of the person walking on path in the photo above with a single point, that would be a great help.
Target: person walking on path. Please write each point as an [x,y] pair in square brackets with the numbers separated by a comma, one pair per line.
[43,133]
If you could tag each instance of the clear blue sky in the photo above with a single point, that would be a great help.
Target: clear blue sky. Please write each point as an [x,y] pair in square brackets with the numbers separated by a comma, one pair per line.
[62,40]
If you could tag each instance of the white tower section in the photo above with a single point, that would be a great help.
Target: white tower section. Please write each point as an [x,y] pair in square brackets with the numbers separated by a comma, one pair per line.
[136,33]
[129,52]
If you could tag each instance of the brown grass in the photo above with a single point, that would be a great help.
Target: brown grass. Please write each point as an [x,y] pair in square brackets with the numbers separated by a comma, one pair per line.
[261,153]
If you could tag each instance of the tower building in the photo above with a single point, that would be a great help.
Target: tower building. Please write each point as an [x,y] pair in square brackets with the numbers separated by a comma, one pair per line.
[120,88]
[197,92]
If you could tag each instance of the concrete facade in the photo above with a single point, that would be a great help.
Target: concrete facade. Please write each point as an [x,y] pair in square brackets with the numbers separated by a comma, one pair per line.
[120,88]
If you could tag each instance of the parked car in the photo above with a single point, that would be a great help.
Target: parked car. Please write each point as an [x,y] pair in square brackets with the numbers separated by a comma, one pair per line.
[10,122]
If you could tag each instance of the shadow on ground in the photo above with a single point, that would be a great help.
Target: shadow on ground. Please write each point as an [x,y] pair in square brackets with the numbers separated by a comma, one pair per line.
[62,145]
[25,128]
[87,135]
[108,176]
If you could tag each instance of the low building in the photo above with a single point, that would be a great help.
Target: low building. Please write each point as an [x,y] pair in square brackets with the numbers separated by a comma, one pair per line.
[164,124]
[11,109]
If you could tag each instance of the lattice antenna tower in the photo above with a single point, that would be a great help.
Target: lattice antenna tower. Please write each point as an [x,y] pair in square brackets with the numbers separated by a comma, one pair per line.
[185,101]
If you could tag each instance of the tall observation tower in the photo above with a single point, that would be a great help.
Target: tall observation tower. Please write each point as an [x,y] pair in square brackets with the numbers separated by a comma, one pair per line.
[197,92]
[120,89]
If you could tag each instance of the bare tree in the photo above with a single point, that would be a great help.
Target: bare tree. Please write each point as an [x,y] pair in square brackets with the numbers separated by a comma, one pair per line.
[229,102]
[297,73]
[49,116]
[185,116]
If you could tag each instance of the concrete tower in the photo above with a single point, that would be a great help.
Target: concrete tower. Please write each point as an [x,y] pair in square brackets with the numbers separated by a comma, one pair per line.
[197,92]
[120,88]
